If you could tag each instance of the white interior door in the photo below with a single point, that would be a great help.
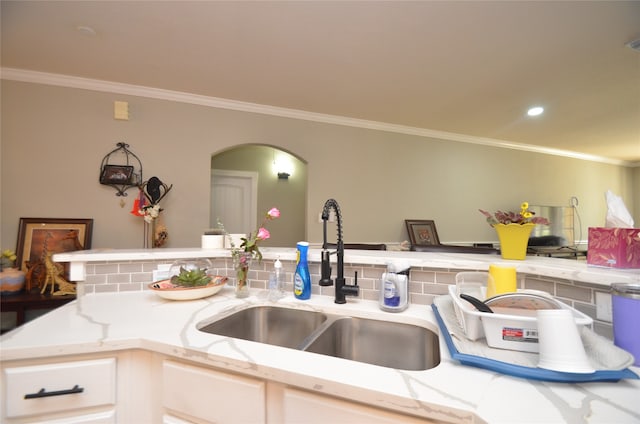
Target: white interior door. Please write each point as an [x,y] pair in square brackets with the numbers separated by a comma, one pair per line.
[234,198]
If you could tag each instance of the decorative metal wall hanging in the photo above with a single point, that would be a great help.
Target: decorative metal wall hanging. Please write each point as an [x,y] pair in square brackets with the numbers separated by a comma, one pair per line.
[154,190]
[148,206]
[121,169]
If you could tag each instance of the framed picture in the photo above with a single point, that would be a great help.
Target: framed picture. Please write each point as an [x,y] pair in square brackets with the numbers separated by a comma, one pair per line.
[422,232]
[116,174]
[38,237]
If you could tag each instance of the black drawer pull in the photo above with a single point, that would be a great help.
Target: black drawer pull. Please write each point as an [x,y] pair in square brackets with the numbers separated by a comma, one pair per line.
[43,393]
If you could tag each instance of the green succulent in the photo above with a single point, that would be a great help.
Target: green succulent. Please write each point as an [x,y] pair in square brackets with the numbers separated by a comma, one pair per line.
[191,278]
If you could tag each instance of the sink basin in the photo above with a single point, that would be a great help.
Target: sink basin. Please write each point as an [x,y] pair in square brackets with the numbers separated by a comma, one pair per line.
[383,343]
[268,324]
[388,344]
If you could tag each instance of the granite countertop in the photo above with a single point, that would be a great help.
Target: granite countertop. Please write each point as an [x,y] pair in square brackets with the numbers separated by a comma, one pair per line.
[450,392]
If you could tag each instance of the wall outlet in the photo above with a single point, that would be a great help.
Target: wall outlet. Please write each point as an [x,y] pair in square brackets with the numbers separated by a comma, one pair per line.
[161,273]
[603,307]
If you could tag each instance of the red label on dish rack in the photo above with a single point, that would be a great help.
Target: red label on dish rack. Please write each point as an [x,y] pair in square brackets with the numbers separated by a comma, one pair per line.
[519,334]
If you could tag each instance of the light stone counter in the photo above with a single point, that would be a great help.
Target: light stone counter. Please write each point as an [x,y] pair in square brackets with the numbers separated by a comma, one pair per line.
[111,322]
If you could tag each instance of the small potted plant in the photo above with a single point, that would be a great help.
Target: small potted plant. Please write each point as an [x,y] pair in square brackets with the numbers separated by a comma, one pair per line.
[513,230]
[191,279]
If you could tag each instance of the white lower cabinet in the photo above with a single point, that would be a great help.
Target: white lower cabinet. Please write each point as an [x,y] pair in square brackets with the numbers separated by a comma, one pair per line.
[107,417]
[74,391]
[171,419]
[206,395]
[299,406]
[142,387]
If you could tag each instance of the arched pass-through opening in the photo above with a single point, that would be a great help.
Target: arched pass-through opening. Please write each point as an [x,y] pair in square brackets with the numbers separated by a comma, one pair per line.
[259,177]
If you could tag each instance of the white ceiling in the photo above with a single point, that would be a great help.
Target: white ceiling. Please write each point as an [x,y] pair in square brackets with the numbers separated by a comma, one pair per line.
[470,68]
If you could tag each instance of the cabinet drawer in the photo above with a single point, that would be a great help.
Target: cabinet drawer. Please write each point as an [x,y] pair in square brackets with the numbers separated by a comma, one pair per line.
[212,395]
[63,386]
[309,408]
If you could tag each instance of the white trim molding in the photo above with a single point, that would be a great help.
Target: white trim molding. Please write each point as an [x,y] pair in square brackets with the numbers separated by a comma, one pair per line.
[36,77]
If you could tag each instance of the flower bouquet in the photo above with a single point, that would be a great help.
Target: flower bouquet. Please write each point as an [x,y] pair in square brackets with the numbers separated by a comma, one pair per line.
[249,250]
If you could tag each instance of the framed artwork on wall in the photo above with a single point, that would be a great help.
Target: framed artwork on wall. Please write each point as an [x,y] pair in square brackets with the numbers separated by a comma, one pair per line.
[39,237]
[422,232]
[116,174]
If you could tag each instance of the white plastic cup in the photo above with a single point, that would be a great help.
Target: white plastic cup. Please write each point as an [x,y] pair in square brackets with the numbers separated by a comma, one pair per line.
[560,345]
[504,280]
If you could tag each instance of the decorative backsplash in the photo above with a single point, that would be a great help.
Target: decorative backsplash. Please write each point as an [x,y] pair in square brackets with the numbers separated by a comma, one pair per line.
[424,283]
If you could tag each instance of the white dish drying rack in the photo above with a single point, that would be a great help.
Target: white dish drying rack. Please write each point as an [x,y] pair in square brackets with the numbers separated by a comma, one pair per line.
[506,328]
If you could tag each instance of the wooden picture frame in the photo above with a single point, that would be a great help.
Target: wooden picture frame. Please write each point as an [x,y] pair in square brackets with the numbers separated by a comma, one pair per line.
[116,174]
[422,232]
[38,237]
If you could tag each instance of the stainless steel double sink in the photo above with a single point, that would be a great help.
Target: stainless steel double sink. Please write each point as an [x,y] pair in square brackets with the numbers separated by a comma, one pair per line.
[388,344]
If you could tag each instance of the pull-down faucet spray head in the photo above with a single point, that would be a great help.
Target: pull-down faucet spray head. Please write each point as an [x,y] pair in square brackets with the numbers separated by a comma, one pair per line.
[325,270]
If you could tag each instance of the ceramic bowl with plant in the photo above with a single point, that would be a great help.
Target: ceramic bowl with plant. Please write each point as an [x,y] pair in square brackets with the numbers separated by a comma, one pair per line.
[189,280]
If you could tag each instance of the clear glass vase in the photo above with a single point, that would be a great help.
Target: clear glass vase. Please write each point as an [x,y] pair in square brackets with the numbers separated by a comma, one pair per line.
[241,264]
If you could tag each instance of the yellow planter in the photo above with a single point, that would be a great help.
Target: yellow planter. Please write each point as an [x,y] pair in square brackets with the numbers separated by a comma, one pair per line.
[513,239]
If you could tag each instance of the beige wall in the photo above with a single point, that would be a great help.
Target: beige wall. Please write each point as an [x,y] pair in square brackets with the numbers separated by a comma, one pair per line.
[54,139]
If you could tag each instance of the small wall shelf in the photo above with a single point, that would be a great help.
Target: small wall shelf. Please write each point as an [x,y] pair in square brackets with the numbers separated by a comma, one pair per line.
[121,169]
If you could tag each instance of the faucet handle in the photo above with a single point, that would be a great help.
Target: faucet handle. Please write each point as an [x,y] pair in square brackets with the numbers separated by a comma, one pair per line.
[353,290]
[325,270]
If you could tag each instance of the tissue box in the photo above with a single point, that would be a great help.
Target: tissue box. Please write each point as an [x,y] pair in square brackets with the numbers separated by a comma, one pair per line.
[614,247]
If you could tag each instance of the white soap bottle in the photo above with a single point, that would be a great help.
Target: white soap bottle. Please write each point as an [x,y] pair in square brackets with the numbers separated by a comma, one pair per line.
[276,282]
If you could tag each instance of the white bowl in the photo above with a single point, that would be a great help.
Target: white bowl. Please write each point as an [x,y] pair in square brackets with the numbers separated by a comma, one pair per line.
[167,290]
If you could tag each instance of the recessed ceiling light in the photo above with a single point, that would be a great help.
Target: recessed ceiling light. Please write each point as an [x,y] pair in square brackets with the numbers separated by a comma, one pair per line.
[535,111]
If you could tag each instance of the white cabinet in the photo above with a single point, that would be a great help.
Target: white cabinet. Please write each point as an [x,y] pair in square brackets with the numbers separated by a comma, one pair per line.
[213,396]
[85,390]
[155,388]
[304,407]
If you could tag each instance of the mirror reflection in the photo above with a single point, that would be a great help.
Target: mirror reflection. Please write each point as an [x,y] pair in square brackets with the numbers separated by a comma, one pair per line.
[248,180]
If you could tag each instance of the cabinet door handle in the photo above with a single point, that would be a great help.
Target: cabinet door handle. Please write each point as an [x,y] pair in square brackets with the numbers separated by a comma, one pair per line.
[43,392]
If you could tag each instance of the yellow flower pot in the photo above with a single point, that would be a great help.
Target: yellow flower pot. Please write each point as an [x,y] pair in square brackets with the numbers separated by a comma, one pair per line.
[513,239]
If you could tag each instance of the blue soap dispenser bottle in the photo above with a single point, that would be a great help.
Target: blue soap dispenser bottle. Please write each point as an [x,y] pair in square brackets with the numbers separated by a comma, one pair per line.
[302,279]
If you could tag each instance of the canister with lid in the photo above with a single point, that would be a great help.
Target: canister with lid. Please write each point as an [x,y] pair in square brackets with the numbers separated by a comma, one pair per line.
[625,302]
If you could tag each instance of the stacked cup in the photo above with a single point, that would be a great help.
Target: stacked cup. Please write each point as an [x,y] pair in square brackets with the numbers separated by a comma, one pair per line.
[503,280]
[560,344]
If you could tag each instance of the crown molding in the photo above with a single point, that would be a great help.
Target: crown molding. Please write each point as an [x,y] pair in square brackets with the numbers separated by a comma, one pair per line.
[23,75]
